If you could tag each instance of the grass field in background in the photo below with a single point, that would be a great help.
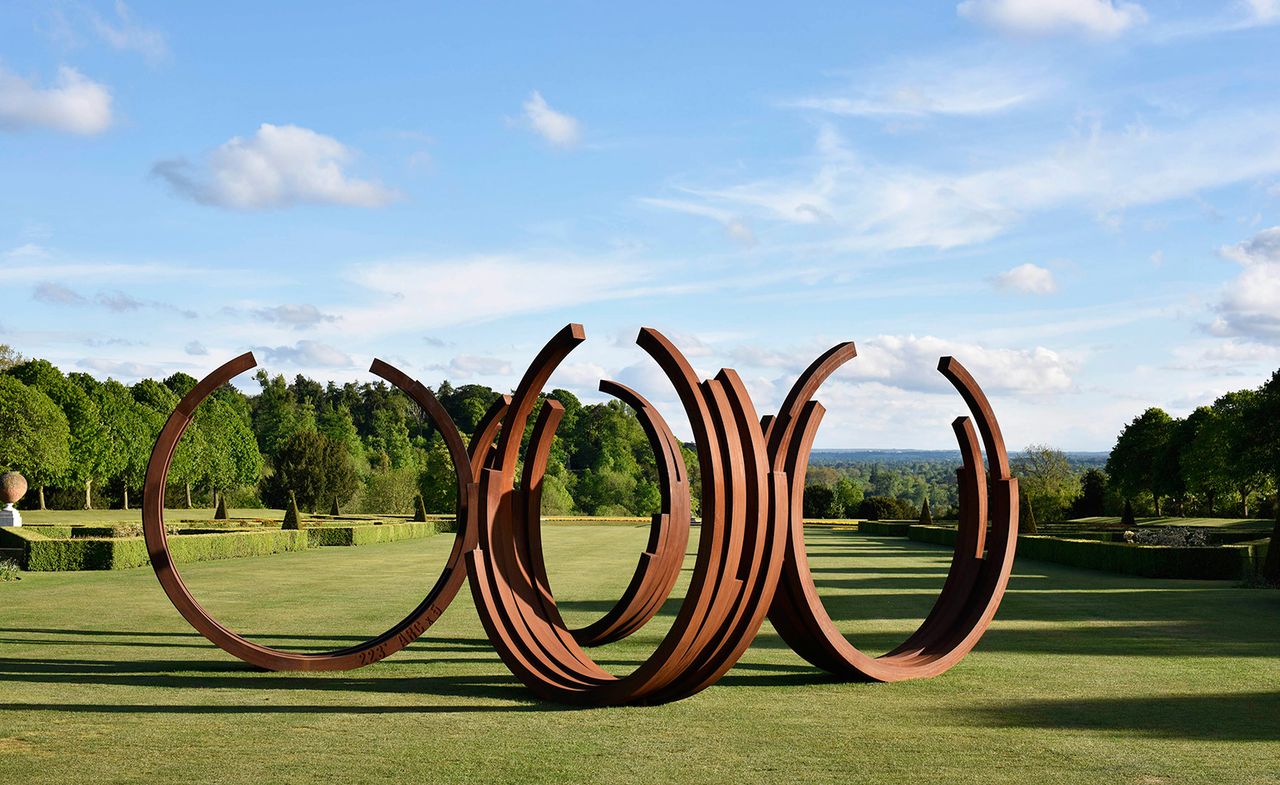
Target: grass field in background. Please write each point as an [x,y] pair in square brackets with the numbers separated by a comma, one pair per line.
[1084,678]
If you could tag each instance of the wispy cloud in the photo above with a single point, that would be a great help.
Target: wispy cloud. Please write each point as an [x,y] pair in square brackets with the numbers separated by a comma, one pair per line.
[279,166]
[556,127]
[125,33]
[931,86]
[847,201]
[479,288]
[299,316]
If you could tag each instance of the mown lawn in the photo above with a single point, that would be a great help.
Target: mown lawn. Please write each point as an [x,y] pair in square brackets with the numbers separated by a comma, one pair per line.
[1084,678]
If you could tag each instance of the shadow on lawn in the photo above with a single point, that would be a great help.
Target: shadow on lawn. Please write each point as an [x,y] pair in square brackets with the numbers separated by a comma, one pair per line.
[1245,716]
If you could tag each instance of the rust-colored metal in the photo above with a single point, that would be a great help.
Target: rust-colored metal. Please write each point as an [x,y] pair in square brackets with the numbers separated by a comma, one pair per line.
[739,555]
[659,565]
[979,569]
[750,560]
[391,641]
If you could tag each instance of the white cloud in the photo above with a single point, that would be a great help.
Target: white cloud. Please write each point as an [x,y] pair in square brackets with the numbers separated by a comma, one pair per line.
[556,127]
[847,202]
[915,89]
[1100,18]
[470,365]
[299,316]
[1029,279]
[734,227]
[1262,11]
[126,34]
[279,166]
[307,354]
[27,251]
[74,103]
[196,349]
[910,362]
[426,294]
[1250,304]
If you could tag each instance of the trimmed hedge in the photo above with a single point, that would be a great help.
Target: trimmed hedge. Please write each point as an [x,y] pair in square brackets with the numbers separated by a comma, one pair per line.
[1224,562]
[322,536]
[44,554]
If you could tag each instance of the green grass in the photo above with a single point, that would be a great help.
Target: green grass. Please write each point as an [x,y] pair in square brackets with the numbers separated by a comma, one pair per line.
[1085,677]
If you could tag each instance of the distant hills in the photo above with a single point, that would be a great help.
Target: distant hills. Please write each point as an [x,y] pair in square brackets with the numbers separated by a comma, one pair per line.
[836,457]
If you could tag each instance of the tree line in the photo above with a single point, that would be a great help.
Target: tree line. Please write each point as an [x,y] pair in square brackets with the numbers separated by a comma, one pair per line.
[1222,458]
[85,443]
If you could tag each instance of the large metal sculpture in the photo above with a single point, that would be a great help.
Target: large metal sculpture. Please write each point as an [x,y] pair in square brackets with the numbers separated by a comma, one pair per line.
[750,563]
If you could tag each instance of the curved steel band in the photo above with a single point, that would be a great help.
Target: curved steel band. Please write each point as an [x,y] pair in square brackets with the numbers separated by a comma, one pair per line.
[750,560]
[391,641]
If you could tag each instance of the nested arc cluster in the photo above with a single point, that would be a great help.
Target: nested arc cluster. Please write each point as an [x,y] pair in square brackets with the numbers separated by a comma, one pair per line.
[750,563]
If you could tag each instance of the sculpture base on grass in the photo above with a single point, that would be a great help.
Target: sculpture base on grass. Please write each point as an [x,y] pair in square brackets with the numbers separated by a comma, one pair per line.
[10,517]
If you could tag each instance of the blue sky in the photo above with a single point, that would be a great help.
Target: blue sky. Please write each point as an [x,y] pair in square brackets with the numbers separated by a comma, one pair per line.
[1079,199]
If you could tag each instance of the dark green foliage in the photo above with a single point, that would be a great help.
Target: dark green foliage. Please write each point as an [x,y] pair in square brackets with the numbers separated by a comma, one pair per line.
[886,508]
[43,554]
[220,514]
[313,467]
[292,520]
[34,437]
[1127,520]
[333,510]
[1093,494]
[819,502]
[1026,517]
[419,509]
[323,536]
[926,515]
[1137,462]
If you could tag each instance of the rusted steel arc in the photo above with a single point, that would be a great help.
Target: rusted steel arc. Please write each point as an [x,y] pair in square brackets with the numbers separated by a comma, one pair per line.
[394,639]
[737,557]
[980,566]
[659,566]
[482,441]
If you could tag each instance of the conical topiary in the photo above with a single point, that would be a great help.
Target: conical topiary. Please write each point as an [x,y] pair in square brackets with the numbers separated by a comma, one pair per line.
[334,509]
[419,509]
[926,515]
[1126,520]
[1027,519]
[220,514]
[292,520]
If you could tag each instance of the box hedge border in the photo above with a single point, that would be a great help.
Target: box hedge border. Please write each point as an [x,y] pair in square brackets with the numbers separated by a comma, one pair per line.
[1222,562]
[41,553]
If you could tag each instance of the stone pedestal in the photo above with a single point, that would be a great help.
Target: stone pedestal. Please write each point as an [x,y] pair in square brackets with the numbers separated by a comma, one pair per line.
[10,517]
[12,486]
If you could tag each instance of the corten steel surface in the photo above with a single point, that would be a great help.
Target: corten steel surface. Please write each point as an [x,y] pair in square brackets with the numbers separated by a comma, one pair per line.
[391,641]
[659,565]
[979,569]
[750,561]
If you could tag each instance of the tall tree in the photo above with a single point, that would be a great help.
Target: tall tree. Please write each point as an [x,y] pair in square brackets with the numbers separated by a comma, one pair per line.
[9,357]
[130,432]
[34,437]
[1047,481]
[1141,448]
[91,451]
[315,468]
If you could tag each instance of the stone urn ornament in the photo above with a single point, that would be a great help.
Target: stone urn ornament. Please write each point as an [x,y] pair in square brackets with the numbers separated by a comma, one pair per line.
[12,486]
